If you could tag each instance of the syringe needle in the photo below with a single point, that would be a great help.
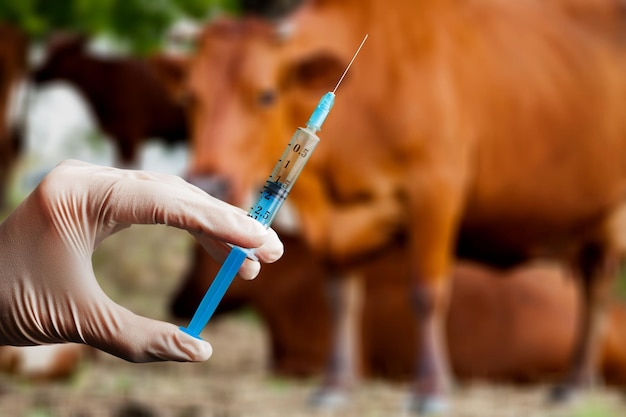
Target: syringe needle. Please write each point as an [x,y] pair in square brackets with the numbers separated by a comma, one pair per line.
[326,102]
[351,61]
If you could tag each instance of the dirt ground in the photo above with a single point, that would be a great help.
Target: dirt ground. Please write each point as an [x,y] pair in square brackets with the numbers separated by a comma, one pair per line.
[140,268]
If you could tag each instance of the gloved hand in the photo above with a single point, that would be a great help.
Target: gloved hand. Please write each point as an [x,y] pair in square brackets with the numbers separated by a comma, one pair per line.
[48,290]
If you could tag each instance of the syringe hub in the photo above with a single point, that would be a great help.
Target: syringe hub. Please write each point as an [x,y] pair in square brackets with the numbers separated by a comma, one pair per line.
[321,111]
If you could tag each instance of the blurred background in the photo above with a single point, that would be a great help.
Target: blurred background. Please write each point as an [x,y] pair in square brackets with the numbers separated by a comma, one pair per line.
[56,59]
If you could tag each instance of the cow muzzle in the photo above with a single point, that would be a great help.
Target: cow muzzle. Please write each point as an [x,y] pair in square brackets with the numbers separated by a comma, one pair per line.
[214,185]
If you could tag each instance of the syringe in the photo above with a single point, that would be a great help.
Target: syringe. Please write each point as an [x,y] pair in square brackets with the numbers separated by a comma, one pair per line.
[273,195]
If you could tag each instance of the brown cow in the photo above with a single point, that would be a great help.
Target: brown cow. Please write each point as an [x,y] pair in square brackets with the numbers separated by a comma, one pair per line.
[44,362]
[487,128]
[13,69]
[514,327]
[131,98]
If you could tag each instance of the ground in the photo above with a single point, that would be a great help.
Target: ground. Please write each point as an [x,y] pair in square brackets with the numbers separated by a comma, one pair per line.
[140,268]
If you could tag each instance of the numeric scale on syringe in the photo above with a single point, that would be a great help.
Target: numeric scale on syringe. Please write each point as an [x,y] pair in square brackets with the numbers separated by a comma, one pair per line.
[274,193]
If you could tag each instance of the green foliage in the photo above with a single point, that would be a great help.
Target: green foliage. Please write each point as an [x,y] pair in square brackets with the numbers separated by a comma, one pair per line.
[621,285]
[594,409]
[138,23]
[199,7]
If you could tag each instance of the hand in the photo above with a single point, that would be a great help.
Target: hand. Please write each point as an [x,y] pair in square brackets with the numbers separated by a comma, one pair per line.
[48,290]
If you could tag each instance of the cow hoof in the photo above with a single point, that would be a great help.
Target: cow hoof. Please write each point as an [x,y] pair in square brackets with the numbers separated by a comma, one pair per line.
[134,409]
[563,394]
[432,405]
[329,399]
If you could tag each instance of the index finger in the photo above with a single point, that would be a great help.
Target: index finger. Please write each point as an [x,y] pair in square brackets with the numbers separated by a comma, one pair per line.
[117,198]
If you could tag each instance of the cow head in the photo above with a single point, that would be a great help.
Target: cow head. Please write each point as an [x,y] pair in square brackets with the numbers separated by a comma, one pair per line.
[250,84]
[61,51]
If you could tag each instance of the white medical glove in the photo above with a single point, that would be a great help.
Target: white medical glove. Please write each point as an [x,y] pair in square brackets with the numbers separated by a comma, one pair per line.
[48,290]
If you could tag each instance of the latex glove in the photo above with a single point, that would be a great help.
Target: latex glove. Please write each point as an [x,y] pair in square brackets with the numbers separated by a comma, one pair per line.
[48,290]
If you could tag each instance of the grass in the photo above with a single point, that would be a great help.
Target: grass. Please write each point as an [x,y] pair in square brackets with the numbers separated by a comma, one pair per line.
[594,409]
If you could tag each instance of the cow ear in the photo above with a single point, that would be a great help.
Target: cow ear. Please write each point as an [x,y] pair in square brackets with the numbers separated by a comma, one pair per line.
[319,71]
[172,72]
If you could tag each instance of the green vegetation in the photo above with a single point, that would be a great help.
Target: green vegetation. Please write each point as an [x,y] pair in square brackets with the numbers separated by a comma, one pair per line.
[621,286]
[136,23]
[594,409]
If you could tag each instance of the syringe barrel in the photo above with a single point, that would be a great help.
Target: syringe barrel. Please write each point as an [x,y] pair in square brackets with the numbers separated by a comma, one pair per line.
[278,185]
[284,175]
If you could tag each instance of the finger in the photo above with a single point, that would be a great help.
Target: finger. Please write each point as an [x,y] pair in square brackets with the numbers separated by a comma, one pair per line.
[249,269]
[269,252]
[272,249]
[124,197]
[138,198]
[139,339]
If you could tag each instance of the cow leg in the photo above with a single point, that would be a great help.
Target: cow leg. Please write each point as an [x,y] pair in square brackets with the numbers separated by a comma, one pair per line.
[432,380]
[127,152]
[596,271]
[435,205]
[342,369]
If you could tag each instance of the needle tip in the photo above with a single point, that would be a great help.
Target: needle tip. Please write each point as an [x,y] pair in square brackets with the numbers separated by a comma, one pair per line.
[350,64]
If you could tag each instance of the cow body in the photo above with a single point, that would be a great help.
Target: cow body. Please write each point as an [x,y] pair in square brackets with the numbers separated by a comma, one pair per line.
[485,129]
[516,326]
[131,98]
[13,69]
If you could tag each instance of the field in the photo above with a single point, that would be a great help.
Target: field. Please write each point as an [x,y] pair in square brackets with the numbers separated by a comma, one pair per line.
[140,268]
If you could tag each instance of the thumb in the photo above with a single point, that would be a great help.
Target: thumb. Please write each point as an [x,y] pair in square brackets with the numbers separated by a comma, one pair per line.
[140,339]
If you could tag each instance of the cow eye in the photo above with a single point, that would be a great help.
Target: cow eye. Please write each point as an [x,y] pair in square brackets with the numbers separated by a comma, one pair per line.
[187,99]
[267,98]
